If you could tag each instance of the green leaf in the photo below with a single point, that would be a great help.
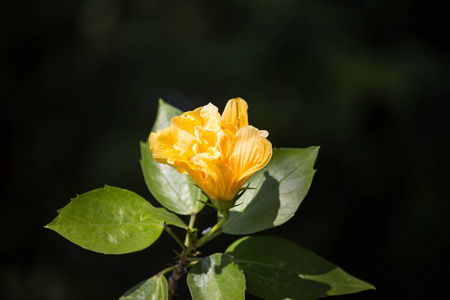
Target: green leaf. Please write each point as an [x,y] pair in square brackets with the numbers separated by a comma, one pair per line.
[216,277]
[159,213]
[164,115]
[173,190]
[278,190]
[276,268]
[154,288]
[111,220]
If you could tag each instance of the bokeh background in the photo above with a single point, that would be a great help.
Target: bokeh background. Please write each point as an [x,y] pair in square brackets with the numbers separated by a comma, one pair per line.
[365,80]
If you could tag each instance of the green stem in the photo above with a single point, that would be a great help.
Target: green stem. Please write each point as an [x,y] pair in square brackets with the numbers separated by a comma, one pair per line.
[175,237]
[188,238]
[215,234]
[167,270]
[206,237]
[191,243]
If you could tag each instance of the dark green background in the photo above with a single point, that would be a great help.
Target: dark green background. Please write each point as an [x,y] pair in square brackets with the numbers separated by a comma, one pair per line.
[366,80]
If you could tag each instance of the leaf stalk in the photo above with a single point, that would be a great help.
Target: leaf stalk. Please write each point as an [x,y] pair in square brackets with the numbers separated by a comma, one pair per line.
[175,237]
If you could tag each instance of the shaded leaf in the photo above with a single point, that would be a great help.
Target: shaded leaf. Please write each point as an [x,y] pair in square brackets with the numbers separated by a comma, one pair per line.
[278,190]
[276,268]
[216,277]
[111,220]
[154,288]
[173,190]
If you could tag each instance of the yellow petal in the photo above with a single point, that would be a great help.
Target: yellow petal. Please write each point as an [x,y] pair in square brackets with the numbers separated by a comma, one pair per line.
[249,152]
[214,177]
[235,113]
[264,133]
[223,143]
[218,152]
[162,146]
[183,130]
[211,117]
[206,142]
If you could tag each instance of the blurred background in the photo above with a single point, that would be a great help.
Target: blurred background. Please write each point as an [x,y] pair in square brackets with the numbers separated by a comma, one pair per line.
[365,80]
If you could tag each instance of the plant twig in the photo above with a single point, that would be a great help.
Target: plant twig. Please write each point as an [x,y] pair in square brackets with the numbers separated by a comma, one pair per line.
[176,275]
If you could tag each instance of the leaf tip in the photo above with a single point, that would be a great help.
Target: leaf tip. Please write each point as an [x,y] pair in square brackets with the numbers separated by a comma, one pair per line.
[49,226]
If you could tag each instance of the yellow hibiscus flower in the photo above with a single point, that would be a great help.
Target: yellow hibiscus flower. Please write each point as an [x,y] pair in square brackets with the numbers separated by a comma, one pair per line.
[218,152]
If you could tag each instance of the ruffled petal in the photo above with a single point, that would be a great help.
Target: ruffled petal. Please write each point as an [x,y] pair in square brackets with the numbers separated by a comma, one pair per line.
[162,146]
[206,140]
[214,177]
[218,153]
[211,117]
[183,131]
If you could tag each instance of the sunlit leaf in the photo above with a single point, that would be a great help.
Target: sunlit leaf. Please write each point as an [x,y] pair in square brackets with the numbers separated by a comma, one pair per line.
[112,220]
[173,190]
[154,288]
[276,268]
[159,213]
[278,190]
[216,277]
